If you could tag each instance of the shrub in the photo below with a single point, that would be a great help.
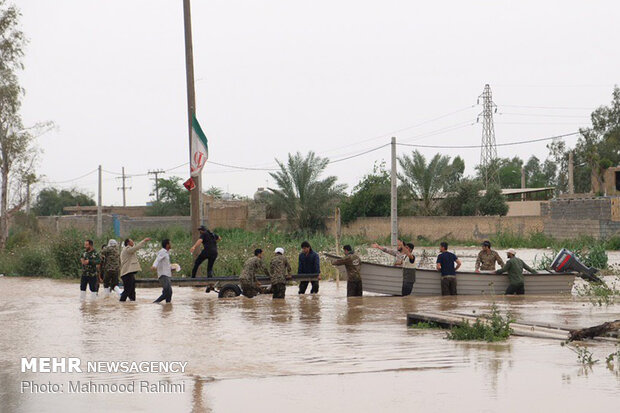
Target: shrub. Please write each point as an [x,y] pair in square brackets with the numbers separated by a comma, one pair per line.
[495,328]
[66,250]
[493,202]
[34,262]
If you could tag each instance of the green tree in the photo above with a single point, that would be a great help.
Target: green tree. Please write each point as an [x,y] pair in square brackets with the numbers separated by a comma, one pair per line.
[372,197]
[464,200]
[52,201]
[301,195]
[173,198]
[455,174]
[425,181]
[493,202]
[215,192]
[15,144]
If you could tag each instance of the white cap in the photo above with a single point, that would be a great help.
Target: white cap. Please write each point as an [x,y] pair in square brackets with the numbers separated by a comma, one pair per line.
[112,243]
[511,251]
[279,250]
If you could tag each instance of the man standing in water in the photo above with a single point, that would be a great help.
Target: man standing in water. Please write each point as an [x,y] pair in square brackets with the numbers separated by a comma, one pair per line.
[162,266]
[487,258]
[249,284]
[406,259]
[445,264]
[209,242]
[111,267]
[280,270]
[130,267]
[90,261]
[353,264]
[309,263]
[514,267]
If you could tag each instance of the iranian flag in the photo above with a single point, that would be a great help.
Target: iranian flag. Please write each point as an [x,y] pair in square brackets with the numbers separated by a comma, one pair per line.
[199,149]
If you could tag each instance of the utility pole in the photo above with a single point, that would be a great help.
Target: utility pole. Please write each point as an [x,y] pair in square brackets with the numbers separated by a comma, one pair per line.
[99,216]
[196,193]
[523,183]
[571,166]
[394,198]
[156,179]
[124,187]
[488,155]
[338,233]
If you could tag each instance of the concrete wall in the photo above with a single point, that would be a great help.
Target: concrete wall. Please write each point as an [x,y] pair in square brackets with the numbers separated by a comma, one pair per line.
[579,208]
[523,208]
[436,228]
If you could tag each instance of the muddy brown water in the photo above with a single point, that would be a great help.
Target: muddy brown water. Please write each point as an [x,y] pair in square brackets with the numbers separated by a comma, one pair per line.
[307,353]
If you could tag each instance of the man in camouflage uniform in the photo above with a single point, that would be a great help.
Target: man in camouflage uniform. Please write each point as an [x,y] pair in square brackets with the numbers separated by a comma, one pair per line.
[280,270]
[90,261]
[249,284]
[487,258]
[352,263]
[111,267]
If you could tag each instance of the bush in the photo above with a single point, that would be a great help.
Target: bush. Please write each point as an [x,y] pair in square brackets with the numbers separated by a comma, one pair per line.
[66,250]
[35,262]
[496,328]
[613,243]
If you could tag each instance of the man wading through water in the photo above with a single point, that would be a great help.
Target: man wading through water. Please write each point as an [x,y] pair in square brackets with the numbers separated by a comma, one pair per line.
[280,270]
[164,272]
[90,261]
[130,267]
[352,263]
[249,284]
[111,268]
[445,264]
[406,259]
[209,242]
[514,267]
[309,264]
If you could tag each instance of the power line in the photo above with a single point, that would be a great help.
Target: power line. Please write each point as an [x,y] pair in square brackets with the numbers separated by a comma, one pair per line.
[441,131]
[359,154]
[547,107]
[75,179]
[540,115]
[498,144]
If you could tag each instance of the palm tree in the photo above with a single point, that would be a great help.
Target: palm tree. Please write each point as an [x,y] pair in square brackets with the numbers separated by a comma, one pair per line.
[304,198]
[425,181]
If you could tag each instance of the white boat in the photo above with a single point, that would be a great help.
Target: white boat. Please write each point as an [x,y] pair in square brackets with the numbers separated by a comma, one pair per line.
[386,279]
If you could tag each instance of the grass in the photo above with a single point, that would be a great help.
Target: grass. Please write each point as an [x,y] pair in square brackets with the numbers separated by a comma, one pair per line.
[422,325]
[601,294]
[584,356]
[495,328]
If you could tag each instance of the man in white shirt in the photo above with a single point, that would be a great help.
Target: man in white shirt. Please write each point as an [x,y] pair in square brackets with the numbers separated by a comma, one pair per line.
[164,272]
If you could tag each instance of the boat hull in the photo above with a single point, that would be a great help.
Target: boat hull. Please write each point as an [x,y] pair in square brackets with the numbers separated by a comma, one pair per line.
[384,279]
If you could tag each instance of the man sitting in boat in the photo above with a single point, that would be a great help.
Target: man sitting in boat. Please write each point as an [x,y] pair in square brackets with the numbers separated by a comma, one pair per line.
[406,259]
[487,258]
[446,264]
[514,267]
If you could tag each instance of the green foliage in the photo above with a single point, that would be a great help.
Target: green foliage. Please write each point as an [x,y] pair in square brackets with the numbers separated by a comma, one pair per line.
[613,243]
[371,197]
[52,201]
[596,256]
[173,198]
[599,294]
[66,249]
[493,202]
[615,356]
[584,356]
[495,328]
[422,325]
[35,261]
[306,199]
[215,192]
[464,200]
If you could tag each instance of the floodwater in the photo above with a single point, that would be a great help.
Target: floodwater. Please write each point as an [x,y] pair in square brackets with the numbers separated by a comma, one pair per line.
[307,353]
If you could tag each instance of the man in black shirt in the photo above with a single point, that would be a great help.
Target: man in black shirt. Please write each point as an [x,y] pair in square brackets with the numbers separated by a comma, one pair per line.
[209,242]
[445,264]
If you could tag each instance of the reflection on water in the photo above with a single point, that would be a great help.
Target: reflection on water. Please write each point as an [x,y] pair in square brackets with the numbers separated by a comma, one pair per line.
[306,352]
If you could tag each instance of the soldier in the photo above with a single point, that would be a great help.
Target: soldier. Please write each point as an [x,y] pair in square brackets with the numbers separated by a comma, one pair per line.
[111,268]
[514,267]
[280,272]
[352,263]
[487,258]
[249,284]
[90,261]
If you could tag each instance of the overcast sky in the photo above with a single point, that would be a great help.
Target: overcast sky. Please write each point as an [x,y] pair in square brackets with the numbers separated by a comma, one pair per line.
[278,76]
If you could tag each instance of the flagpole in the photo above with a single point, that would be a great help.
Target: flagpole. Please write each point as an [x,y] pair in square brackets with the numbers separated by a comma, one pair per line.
[196,193]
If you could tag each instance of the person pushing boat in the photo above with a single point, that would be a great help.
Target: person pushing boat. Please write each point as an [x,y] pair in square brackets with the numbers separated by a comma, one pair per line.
[487,258]
[352,263]
[514,267]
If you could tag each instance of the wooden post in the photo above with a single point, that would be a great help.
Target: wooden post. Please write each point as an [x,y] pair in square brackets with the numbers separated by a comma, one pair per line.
[338,233]
[196,193]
